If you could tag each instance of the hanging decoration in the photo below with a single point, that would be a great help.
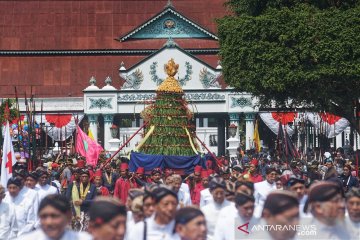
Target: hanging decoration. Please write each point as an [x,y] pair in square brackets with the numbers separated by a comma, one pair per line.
[59,126]
[329,124]
[191,141]
[273,119]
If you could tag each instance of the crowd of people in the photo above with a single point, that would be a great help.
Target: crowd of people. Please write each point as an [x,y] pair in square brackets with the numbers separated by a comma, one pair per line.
[259,198]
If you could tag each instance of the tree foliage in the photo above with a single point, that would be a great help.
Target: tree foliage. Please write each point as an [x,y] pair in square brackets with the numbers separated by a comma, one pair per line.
[294,52]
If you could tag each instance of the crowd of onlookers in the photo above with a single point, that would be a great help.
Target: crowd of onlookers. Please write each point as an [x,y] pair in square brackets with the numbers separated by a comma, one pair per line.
[226,200]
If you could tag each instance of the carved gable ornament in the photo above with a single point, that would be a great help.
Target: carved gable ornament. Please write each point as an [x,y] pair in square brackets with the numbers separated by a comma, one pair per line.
[166,24]
[149,73]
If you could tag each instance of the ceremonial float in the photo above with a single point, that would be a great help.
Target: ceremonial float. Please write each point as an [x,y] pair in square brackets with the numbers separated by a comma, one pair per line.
[169,138]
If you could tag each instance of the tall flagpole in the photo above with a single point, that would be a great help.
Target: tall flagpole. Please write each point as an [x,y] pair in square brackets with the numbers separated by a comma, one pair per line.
[18,118]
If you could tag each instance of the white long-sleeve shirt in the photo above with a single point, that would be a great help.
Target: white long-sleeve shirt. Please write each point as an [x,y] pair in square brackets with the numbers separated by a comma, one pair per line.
[154,231]
[227,224]
[185,187]
[211,212]
[205,197]
[45,190]
[262,190]
[8,228]
[68,234]
[25,205]
[184,198]
[352,227]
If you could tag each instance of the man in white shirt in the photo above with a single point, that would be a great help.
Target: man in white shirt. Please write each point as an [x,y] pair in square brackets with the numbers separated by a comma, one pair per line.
[185,188]
[31,180]
[327,206]
[281,214]
[352,222]
[205,197]
[30,192]
[183,198]
[211,211]
[7,218]
[190,224]
[233,216]
[160,226]
[54,215]
[42,187]
[297,186]
[19,198]
[262,189]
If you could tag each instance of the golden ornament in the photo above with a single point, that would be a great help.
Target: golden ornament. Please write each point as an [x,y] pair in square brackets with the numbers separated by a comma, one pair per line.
[170,84]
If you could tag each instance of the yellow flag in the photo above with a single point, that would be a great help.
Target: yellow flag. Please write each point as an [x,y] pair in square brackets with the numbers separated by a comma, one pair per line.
[90,135]
[257,144]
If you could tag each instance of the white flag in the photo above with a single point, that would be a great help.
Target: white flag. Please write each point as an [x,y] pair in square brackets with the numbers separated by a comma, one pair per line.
[8,157]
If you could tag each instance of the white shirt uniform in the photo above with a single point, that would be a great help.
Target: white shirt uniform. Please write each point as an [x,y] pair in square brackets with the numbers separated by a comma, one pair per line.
[184,198]
[205,197]
[25,205]
[154,231]
[33,196]
[185,187]
[45,190]
[262,190]
[7,222]
[353,228]
[211,212]
[130,223]
[301,208]
[227,224]
[68,234]
[322,231]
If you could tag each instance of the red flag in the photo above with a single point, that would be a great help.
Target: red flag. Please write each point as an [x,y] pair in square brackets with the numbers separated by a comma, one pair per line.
[87,147]
[8,157]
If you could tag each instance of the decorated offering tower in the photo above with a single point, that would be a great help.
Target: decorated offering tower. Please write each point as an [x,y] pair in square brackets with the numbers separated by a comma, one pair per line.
[169,130]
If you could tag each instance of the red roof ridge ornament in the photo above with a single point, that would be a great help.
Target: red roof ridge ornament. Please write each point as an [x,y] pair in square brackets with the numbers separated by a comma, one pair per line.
[92,85]
[219,67]
[108,85]
[122,67]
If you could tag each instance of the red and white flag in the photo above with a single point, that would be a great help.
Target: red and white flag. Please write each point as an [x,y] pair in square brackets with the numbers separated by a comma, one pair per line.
[8,157]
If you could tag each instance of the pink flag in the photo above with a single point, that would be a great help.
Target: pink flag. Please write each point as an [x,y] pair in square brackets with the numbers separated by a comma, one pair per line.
[8,157]
[87,147]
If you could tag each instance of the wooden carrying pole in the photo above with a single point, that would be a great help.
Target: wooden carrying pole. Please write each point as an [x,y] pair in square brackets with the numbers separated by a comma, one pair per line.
[122,146]
[203,144]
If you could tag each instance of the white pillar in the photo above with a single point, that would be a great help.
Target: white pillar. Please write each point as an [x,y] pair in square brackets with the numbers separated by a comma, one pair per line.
[356,143]
[108,121]
[206,122]
[234,142]
[339,140]
[249,121]
[93,125]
